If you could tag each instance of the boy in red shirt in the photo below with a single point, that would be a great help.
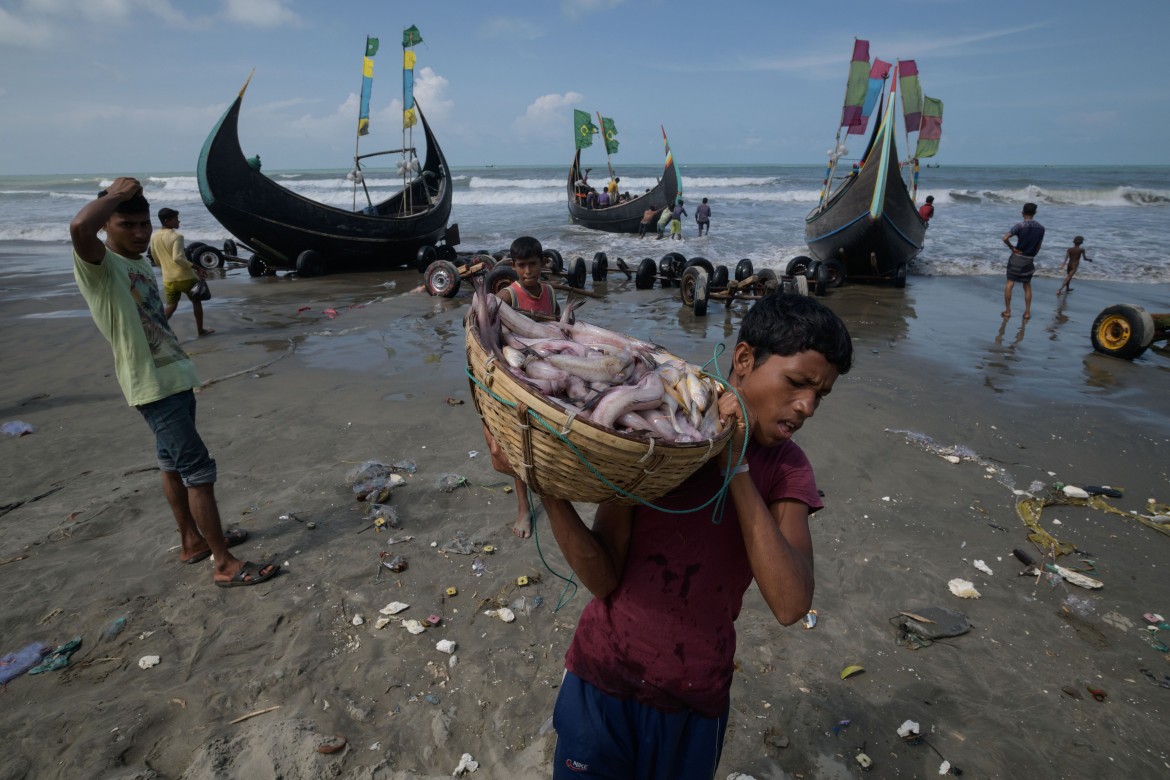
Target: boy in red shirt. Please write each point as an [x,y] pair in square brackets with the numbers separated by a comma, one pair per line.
[647,689]
[528,293]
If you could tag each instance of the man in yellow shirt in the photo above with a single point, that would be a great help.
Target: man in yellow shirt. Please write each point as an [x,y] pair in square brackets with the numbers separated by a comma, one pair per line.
[179,275]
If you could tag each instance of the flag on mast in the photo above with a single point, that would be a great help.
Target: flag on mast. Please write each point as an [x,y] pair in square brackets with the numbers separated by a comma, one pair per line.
[367,85]
[609,133]
[856,88]
[911,94]
[410,37]
[930,131]
[583,128]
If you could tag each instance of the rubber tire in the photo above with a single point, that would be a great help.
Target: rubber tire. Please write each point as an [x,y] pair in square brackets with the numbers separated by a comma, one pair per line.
[442,279]
[799,266]
[836,272]
[719,278]
[701,262]
[190,249]
[310,263]
[671,266]
[500,277]
[1123,331]
[702,288]
[900,276]
[576,277]
[206,257]
[257,266]
[423,258]
[489,261]
[820,278]
[647,271]
[555,261]
[600,267]
[687,285]
[446,252]
[768,282]
[230,249]
[744,269]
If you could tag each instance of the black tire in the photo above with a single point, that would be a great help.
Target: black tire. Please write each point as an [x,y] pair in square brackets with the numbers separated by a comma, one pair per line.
[687,285]
[423,258]
[836,272]
[206,257]
[257,266]
[719,278]
[768,282]
[498,256]
[798,266]
[191,249]
[701,262]
[555,261]
[230,249]
[671,268]
[489,261]
[744,269]
[310,263]
[500,277]
[900,276]
[820,276]
[647,271]
[600,267]
[1123,331]
[702,287]
[442,279]
[446,252]
[576,275]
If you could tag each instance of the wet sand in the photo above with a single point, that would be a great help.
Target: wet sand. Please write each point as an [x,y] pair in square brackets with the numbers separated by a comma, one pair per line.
[305,397]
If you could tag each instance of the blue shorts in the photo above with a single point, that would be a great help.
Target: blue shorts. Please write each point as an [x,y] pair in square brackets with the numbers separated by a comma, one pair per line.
[599,736]
[177,442]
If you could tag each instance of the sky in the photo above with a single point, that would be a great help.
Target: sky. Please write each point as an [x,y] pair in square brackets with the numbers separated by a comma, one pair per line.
[106,86]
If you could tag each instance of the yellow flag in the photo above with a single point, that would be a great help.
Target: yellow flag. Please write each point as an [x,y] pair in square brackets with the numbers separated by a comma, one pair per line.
[408,59]
[409,118]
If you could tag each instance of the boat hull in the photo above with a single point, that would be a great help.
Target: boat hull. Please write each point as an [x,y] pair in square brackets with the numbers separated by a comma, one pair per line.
[871,248]
[279,224]
[626,216]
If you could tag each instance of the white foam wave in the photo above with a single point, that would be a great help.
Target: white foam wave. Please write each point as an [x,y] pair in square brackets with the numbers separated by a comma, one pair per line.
[507,197]
[481,182]
[732,181]
[1109,197]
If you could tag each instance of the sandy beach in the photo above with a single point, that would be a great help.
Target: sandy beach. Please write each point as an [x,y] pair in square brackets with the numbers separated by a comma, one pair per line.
[312,377]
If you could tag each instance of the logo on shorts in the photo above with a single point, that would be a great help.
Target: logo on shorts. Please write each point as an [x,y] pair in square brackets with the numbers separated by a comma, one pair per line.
[575,766]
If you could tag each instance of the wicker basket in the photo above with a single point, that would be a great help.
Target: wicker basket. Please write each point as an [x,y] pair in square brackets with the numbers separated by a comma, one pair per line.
[532,432]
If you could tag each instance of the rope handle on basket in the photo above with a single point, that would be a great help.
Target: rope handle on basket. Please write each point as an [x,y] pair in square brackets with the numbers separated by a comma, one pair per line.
[719,498]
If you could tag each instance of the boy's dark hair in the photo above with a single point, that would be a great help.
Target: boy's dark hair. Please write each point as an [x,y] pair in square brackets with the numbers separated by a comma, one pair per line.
[165,214]
[526,248]
[930,199]
[784,324]
[1079,240]
[135,205]
[1029,209]
[704,200]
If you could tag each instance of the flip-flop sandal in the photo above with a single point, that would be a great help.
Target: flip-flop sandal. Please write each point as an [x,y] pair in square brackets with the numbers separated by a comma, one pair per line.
[1098,693]
[252,571]
[231,538]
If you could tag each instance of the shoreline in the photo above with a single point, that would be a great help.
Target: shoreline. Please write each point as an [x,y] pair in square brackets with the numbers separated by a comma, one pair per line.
[370,383]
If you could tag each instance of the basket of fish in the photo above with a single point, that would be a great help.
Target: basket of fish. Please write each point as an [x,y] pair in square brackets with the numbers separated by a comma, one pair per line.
[587,414]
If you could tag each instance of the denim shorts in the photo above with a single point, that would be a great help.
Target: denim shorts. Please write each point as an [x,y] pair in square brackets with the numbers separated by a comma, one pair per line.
[599,736]
[177,442]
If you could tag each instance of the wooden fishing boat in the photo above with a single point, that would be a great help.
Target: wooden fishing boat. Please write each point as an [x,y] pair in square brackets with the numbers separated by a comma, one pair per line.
[287,230]
[623,217]
[868,228]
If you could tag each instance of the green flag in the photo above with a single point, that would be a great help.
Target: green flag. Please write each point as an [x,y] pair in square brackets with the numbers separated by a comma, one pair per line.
[610,135]
[583,128]
[930,131]
[411,36]
[371,46]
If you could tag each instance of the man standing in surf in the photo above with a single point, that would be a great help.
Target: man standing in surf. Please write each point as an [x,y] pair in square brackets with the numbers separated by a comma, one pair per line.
[1022,264]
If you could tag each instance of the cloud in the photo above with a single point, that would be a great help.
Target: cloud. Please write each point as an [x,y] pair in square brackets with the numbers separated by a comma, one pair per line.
[547,115]
[260,13]
[19,32]
[504,28]
[575,9]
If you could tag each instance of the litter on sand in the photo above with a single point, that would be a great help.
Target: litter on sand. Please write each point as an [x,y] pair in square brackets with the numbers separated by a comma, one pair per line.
[964,589]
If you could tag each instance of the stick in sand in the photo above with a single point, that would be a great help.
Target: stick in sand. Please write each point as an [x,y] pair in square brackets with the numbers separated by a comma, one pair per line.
[253,714]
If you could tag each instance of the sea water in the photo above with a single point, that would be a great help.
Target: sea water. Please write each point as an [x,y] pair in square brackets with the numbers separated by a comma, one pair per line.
[758,212]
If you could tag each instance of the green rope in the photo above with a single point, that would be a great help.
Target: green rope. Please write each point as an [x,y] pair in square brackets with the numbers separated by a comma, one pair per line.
[561,600]
[718,498]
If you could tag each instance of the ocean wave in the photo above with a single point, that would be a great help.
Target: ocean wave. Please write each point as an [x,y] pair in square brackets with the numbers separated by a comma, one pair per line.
[1109,197]
[483,182]
[507,197]
[729,181]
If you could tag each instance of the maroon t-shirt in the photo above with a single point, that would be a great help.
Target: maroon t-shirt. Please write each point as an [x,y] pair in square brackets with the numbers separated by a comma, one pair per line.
[666,636]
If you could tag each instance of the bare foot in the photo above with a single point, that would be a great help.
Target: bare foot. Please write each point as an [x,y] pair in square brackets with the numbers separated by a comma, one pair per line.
[206,332]
[523,527]
[1027,316]
[1006,314]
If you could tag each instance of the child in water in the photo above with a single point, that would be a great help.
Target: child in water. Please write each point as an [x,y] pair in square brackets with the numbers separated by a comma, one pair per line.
[1072,259]
[528,293]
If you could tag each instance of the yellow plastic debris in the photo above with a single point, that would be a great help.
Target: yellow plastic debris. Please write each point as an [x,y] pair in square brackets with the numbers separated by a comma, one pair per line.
[849,671]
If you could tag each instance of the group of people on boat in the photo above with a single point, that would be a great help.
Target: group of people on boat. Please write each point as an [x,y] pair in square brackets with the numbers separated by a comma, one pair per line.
[590,198]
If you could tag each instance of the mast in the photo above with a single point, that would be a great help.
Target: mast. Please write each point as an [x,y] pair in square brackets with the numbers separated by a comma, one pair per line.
[837,148]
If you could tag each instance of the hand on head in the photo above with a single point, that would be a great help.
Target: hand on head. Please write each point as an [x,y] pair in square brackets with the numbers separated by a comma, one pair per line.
[126,187]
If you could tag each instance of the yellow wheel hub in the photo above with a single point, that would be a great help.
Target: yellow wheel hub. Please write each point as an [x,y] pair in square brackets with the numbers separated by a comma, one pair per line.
[1114,332]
